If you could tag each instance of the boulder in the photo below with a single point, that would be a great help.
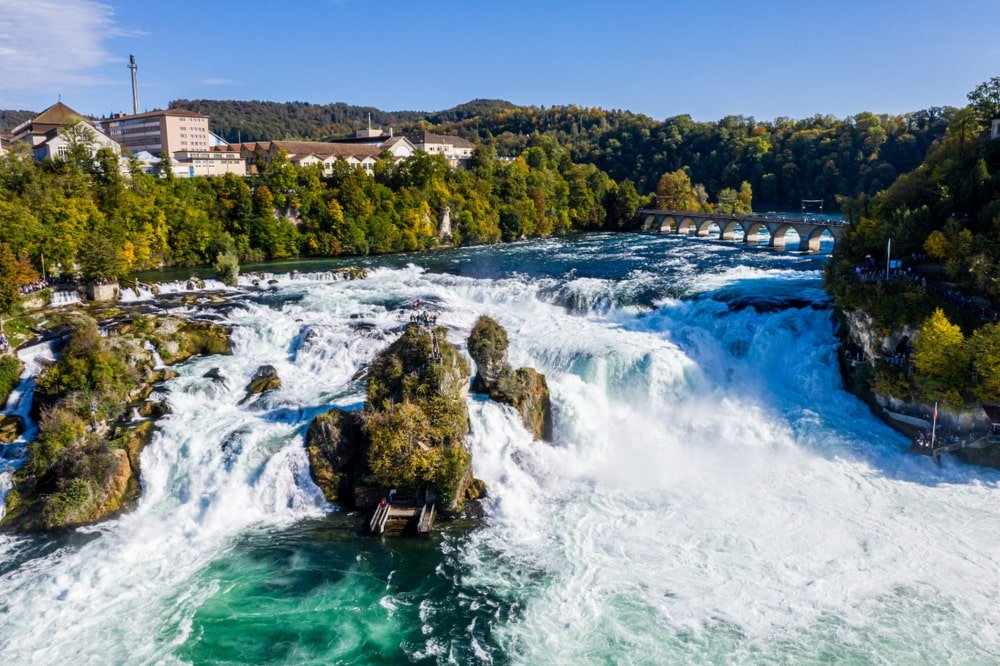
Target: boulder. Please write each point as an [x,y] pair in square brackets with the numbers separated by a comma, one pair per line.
[264,379]
[488,348]
[152,409]
[524,389]
[11,427]
[216,376]
[335,444]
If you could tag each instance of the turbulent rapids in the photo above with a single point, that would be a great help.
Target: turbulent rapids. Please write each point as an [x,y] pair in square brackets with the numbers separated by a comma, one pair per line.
[710,493]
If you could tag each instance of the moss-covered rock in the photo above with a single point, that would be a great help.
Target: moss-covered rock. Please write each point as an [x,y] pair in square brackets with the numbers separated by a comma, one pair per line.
[411,435]
[488,348]
[11,427]
[177,339]
[92,481]
[264,379]
[153,409]
[336,447]
[83,466]
[525,389]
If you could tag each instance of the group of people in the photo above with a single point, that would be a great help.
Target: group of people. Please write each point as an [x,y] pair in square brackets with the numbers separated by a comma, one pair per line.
[898,359]
[4,344]
[33,287]
[425,318]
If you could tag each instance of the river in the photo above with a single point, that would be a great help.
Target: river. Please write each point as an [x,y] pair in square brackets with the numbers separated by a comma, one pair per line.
[712,493]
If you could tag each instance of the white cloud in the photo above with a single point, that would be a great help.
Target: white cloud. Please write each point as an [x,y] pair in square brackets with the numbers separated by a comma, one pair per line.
[45,44]
[218,82]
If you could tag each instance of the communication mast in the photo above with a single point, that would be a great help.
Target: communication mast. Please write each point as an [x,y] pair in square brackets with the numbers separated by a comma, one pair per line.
[135,84]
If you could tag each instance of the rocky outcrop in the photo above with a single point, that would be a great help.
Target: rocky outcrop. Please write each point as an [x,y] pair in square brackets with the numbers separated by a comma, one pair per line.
[488,348]
[11,427]
[411,434]
[264,379]
[83,466]
[177,339]
[335,444]
[864,346]
[524,389]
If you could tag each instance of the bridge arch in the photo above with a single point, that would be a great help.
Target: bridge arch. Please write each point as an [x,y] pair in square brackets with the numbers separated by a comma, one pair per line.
[752,232]
[703,228]
[778,232]
[810,238]
[686,225]
[649,223]
[727,230]
[667,224]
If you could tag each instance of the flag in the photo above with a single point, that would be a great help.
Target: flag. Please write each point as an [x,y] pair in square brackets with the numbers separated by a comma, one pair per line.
[935,411]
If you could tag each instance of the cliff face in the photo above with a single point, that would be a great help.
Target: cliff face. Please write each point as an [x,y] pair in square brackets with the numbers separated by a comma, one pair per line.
[866,346]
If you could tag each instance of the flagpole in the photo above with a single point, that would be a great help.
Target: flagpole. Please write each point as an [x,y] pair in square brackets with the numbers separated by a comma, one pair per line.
[934,426]
[888,253]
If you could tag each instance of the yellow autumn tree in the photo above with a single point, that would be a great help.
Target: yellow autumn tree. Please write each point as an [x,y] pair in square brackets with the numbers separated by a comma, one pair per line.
[941,359]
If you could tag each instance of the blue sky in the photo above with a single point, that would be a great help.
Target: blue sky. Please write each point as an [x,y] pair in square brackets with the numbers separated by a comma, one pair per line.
[707,58]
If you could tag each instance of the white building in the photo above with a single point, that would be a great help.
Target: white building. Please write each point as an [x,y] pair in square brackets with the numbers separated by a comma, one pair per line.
[455,149]
[305,153]
[46,133]
[995,131]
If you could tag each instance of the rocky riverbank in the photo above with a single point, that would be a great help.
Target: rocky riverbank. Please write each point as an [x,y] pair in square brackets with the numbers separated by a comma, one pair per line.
[864,347]
[95,414]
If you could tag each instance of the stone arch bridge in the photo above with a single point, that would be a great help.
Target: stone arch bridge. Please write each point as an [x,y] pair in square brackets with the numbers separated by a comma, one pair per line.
[745,228]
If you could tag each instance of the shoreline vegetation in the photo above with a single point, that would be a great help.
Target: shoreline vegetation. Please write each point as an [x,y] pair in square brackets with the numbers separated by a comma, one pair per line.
[924,331]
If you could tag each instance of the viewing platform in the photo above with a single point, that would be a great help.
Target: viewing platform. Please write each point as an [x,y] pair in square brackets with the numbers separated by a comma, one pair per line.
[744,228]
[402,517]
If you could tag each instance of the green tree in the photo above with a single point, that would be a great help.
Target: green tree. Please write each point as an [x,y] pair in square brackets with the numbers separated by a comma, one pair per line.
[985,100]
[100,258]
[8,279]
[227,267]
[984,349]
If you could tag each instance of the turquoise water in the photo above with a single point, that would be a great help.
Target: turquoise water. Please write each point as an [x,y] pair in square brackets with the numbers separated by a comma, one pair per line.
[712,494]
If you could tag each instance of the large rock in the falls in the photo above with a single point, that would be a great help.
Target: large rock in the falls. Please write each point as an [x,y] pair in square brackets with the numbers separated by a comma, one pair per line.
[264,379]
[524,389]
[488,348]
[411,435]
[335,444]
[86,483]
[83,465]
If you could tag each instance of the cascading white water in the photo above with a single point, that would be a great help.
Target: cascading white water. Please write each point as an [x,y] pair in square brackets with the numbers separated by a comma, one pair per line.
[711,493]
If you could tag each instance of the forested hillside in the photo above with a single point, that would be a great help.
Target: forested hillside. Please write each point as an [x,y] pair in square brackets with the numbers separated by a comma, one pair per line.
[255,120]
[784,160]
[9,118]
[82,213]
[943,219]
